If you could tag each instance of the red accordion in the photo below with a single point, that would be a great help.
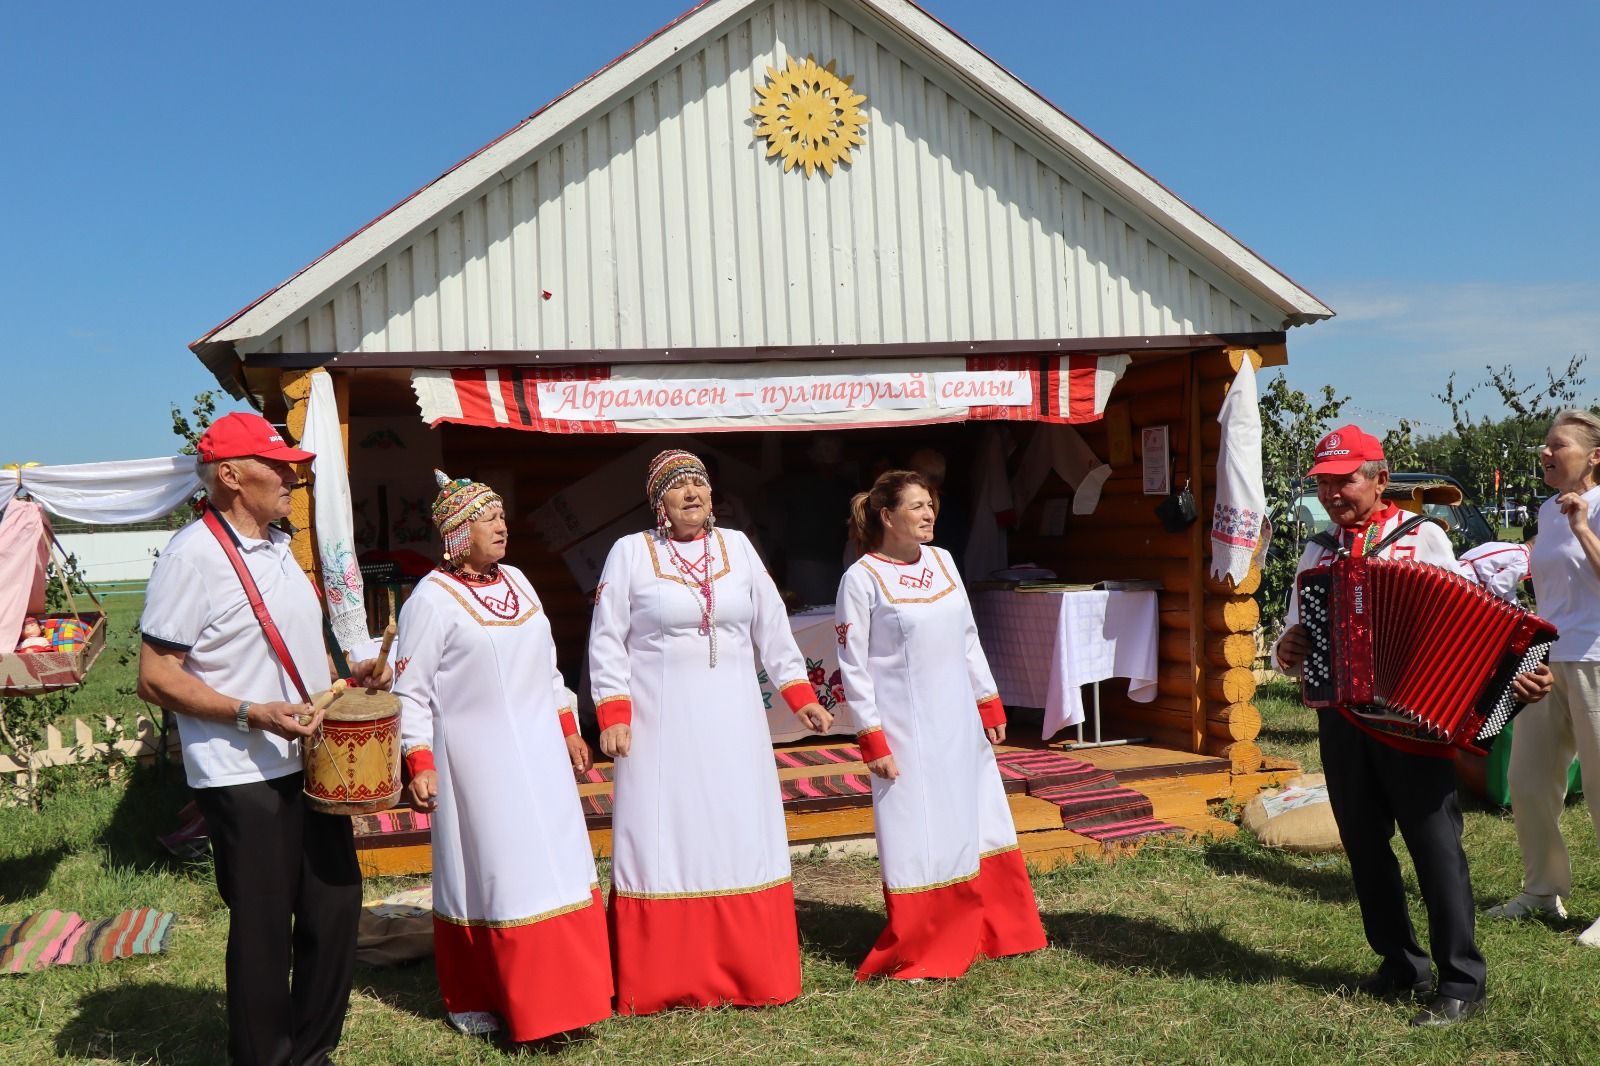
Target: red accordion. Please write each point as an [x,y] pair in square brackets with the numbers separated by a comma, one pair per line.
[1415,651]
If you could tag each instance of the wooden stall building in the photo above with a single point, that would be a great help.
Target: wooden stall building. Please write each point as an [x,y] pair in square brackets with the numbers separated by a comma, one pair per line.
[770,195]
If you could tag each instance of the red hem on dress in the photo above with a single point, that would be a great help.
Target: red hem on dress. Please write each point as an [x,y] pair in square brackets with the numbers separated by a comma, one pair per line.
[705,951]
[543,978]
[942,931]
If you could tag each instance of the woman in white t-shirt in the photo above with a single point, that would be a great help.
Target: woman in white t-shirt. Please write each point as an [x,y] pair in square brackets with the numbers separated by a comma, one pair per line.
[1566,565]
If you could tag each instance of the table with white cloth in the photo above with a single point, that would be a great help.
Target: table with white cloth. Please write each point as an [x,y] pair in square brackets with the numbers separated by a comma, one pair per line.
[1044,646]
[819,644]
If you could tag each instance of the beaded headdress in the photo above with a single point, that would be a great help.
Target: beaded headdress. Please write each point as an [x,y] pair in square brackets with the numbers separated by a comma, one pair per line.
[667,469]
[458,503]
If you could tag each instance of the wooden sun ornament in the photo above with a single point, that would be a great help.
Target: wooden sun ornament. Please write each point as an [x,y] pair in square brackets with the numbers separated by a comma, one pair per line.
[809,115]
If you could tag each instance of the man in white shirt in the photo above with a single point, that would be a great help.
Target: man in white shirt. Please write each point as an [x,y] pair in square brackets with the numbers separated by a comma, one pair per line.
[288,874]
[1375,784]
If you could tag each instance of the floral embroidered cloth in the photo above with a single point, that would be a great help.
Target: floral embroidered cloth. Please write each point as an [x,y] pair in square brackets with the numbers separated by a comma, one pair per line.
[1241,497]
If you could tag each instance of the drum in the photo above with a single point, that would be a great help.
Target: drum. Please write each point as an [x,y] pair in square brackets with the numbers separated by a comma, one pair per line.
[353,763]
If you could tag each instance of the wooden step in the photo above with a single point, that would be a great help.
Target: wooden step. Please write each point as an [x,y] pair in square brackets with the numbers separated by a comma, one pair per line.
[1172,799]
[1047,849]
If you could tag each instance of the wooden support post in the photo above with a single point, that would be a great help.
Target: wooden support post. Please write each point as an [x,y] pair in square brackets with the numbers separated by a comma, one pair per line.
[1197,562]
[296,387]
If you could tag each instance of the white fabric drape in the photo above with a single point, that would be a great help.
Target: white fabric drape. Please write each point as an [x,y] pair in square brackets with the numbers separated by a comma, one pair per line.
[115,493]
[1062,449]
[335,525]
[1241,496]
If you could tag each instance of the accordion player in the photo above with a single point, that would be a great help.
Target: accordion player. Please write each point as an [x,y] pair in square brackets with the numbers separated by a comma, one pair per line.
[1414,651]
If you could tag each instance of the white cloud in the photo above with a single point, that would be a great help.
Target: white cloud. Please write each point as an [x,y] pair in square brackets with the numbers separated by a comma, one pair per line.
[1394,345]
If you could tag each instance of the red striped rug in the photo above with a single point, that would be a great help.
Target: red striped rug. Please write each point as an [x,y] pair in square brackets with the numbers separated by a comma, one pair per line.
[1046,769]
[796,757]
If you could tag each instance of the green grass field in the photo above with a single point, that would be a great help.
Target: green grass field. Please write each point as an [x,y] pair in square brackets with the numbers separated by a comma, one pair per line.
[1182,953]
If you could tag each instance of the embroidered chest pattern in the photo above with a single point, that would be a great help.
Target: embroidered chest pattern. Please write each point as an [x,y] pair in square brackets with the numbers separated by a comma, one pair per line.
[923,580]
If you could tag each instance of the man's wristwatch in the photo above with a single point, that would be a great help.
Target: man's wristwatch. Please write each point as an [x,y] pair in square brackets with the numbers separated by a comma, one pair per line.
[241,717]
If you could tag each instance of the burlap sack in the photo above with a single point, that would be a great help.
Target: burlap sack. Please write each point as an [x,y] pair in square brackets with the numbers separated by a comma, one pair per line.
[1304,829]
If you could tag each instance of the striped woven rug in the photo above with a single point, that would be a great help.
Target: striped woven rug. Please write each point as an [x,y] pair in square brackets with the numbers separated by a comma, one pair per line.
[1046,769]
[803,791]
[1091,801]
[64,938]
[829,756]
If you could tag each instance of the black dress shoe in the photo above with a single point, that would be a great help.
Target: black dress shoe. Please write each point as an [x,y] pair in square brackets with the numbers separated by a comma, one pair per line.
[1444,1010]
[1383,985]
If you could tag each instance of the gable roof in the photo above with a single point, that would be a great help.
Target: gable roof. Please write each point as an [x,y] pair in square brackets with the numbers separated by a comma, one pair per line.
[1208,257]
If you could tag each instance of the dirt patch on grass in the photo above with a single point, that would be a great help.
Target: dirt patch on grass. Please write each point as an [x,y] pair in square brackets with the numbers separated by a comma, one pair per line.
[839,881]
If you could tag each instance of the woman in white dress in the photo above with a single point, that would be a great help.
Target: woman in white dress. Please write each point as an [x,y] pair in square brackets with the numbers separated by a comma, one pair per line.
[927,715]
[519,927]
[1565,562]
[702,909]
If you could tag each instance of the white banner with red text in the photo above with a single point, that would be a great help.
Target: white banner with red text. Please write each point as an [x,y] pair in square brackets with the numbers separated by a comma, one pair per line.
[832,394]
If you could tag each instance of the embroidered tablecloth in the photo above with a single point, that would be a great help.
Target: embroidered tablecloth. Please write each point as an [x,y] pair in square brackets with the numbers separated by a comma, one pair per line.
[1043,646]
[819,644]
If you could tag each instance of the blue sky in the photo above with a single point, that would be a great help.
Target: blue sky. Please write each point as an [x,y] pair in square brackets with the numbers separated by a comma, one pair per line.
[1425,168]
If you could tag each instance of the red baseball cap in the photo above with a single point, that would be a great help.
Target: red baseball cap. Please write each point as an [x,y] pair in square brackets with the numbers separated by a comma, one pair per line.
[242,433]
[1344,450]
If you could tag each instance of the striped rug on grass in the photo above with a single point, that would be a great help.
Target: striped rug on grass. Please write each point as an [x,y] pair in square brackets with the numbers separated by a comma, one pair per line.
[64,938]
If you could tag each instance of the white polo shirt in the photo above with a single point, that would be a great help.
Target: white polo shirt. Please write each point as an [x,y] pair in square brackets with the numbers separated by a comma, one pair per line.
[1565,584]
[195,603]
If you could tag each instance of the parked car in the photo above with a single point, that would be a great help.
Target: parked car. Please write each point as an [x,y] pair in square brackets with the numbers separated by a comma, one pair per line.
[1439,496]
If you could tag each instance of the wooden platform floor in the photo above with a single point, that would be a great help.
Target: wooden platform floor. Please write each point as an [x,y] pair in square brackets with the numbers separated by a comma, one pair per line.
[1181,787]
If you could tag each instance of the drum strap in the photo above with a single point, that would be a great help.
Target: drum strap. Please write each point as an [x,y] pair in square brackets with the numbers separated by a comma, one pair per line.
[230,547]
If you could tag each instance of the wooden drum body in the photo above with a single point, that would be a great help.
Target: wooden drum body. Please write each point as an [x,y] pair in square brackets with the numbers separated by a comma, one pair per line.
[353,763]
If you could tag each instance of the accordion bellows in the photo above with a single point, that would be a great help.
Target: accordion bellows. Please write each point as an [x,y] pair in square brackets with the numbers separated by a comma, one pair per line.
[1415,651]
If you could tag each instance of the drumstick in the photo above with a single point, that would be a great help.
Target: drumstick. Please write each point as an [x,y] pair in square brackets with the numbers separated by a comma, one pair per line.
[321,702]
[383,654]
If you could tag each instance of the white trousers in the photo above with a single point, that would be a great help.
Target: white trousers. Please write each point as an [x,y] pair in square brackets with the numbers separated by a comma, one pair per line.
[1547,735]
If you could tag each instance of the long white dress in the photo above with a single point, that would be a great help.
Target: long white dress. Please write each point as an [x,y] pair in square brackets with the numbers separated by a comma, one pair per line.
[917,682]
[702,908]
[519,926]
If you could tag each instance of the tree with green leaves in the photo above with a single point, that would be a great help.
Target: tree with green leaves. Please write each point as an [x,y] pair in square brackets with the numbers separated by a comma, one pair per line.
[1510,441]
[1291,425]
[190,427]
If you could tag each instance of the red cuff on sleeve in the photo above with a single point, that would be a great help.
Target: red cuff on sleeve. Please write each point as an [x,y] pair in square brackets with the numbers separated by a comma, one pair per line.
[419,760]
[569,723]
[614,710]
[992,712]
[874,745]
[798,694]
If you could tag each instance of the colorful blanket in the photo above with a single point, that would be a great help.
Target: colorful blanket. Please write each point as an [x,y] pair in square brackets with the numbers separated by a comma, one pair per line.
[817,792]
[57,938]
[399,820]
[1044,769]
[796,757]
[1091,801]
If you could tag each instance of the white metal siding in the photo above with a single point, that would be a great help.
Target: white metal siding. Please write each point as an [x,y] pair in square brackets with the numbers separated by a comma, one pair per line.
[659,222]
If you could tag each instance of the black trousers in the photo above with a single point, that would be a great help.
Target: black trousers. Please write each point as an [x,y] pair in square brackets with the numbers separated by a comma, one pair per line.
[1373,787]
[289,877]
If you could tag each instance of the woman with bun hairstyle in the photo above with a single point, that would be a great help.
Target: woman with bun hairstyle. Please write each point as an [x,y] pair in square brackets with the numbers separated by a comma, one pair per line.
[927,717]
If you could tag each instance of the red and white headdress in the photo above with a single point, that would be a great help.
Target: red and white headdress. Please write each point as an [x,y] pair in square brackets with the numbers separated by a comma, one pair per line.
[458,503]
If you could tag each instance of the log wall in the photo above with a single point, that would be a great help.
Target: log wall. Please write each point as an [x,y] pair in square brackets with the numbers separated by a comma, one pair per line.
[1206,650]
